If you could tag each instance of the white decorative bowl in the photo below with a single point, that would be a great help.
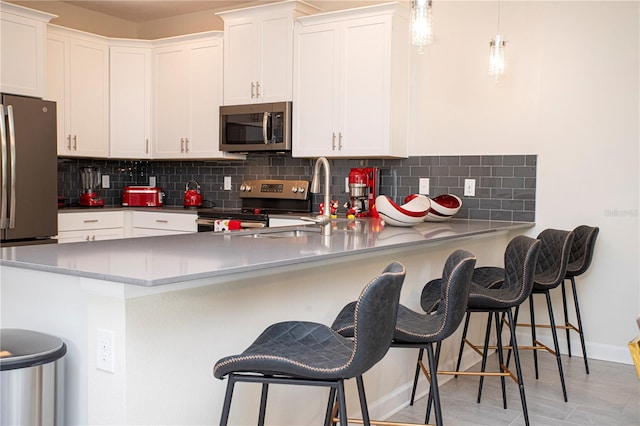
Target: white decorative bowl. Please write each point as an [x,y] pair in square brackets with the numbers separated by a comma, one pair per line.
[443,207]
[412,212]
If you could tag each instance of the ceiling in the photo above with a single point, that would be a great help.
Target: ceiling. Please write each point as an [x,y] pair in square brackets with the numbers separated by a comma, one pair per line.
[148,10]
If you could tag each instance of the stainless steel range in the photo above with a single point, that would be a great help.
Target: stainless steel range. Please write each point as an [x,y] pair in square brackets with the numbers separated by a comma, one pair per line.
[260,197]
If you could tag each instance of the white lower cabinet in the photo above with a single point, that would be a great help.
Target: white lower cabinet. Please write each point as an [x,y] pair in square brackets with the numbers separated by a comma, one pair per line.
[90,226]
[350,83]
[148,224]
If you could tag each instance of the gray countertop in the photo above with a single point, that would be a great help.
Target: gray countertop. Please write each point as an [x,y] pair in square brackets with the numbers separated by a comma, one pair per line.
[154,261]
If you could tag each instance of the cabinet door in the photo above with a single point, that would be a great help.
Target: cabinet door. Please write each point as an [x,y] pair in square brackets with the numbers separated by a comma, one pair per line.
[205,98]
[22,49]
[58,88]
[275,59]
[315,91]
[130,102]
[88,102]
[170,101]
[365,86]
[240,54]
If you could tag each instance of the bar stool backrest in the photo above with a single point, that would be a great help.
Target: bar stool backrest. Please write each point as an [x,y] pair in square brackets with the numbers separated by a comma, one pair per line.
[375,317]
[553,258]
[584,242]
[520,259]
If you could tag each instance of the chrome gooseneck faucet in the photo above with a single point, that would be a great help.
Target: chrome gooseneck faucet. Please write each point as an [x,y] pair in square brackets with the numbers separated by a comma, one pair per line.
[325,219]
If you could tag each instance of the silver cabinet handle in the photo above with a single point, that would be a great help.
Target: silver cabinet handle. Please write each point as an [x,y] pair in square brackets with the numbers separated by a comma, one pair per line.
[12,151]
[186,143]
[253,87]
[162,221]
[90,220]
[182,145]
[87,239]
[257,89]
[5,172]
[75,142]
[340,141]
[333,141]
[146,148]
[69,142]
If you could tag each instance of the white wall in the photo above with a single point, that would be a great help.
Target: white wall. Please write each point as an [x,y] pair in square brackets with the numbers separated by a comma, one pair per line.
[569,95]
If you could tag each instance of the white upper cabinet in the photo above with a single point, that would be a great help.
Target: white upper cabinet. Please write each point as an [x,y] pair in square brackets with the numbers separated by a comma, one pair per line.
[258,54]
[187,74]
[130,100]
[350,83]
[78,80]
[22,45]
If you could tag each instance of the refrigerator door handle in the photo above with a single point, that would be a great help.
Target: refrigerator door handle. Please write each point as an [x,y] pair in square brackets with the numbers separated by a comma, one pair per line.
[12,148]
[5,174]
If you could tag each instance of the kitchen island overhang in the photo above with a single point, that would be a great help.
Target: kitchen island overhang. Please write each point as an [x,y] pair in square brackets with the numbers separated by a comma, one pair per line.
[169,334]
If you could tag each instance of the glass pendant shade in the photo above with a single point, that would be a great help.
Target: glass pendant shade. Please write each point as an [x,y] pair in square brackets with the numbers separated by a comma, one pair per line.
[421,24]
[496,56]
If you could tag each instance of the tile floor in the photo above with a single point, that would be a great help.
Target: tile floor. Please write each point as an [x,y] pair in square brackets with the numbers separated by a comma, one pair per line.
[609,395]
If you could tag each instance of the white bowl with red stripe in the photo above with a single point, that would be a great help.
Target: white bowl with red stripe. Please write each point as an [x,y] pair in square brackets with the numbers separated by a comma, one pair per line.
[412,212]
[443,207]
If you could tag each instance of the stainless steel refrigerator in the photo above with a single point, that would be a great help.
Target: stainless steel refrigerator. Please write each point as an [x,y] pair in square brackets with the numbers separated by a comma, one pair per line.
[28,175]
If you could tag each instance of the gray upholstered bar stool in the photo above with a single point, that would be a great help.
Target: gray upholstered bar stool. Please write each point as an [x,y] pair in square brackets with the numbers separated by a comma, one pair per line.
[584,242]
[311,354]
[550,272]
[421,331]
[502,296]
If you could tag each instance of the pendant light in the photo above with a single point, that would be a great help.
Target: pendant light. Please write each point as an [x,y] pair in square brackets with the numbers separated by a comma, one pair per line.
[421,24]
[496,52]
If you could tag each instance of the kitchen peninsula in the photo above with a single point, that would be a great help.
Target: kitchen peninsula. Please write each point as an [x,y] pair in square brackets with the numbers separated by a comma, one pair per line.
[176,304]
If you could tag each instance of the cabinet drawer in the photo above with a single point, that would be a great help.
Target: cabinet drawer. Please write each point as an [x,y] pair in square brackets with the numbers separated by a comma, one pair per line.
[90,235]
[185,222]
[90,220]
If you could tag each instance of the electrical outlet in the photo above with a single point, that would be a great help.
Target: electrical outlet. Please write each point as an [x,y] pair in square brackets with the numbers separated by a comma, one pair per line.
[470,187]
[104,350]
[227,183]
[106,181]
[152,181]
[346,184]
[423,186]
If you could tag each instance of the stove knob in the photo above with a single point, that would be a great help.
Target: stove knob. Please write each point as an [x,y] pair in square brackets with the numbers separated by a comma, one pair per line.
[243,188]
[248,188]
[301,190]
[294,189]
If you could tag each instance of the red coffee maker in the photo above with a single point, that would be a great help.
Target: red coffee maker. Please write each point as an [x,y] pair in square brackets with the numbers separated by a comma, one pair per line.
[363,189]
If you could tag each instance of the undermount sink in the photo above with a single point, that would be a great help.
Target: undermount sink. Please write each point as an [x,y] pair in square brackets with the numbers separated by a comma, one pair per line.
[285,233]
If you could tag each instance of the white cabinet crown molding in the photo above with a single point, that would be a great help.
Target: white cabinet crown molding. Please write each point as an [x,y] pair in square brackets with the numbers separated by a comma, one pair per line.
[14,9]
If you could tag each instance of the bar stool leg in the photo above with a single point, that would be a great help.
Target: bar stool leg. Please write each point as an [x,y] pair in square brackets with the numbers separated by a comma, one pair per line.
[363,401]
[433,369]
[484,356]
[555,344]
[533,334]
[328,418]
[516,359]
[224,418]
[417,375]
[501,359]
[566,317]
[584,347]
[464,336]
[263,404]
[342,407]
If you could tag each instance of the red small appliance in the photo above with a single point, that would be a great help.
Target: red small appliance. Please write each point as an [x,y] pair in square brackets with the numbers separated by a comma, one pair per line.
[363,189]
[142,196]
[192,195]
[90,178]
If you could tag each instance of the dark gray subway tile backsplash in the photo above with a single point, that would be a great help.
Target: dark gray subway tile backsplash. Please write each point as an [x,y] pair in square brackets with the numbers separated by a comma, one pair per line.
[505,184]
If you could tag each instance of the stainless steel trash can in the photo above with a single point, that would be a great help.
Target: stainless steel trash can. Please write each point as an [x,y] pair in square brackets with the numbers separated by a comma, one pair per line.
[31,365]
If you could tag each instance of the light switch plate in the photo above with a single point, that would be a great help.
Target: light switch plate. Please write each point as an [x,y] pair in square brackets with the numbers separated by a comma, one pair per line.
[470,187]
[423,186]
[227,183]
[106,182]
[152,181]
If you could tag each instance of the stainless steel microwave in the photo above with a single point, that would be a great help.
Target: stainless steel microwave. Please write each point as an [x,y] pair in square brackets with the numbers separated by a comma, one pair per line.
[255,127]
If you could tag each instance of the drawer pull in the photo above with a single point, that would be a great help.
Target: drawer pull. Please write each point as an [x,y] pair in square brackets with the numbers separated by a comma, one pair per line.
[162,221]
[90,220]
